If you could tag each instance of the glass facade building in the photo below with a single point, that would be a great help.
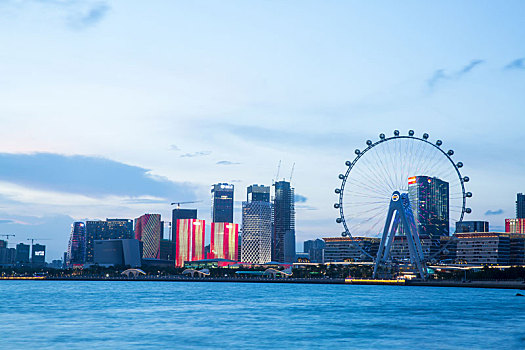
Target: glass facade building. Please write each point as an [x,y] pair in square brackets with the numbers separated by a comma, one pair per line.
[283,239]
[22,253]
[189,241]
[520,206]
[176,215]
[222,202]
[224,241]
[76,247]
[256,238]
[109,229]
[472,226]
[38,255]
[315,250]
[429,198]
[148,229]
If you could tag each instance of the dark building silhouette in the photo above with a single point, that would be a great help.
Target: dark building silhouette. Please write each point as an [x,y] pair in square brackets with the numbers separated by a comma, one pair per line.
[283,214]
[166,250]
[76,248]
[472,226]
[430,205]
[22,253]
[520,206]
[222,202]
[38,255]
[258,193]
[103,230]
[179,214]
[315,250]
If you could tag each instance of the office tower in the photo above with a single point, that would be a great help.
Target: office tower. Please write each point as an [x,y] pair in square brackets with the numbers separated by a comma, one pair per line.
[167,249]
[38,255]
[148,229]
[515,226]
[224,240]
[520,206]
[472,226]
[7,255]
[22,253]
[256,240]
[189,240]
[77,244]
[178,214]
[222,202]
[109,229]
[283,240]
[430,205]
[315,250]
[258,193]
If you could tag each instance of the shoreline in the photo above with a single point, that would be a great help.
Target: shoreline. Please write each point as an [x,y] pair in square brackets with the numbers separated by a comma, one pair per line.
[520,285]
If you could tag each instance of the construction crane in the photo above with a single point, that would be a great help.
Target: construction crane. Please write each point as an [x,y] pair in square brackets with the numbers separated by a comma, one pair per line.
[7,236]
[278,171]
[291,172]
[188,202]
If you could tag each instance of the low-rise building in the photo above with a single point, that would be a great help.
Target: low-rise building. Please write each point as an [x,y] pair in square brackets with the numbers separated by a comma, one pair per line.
[123,252]
[515,225]
[517,249]
[483,248]
[344,248]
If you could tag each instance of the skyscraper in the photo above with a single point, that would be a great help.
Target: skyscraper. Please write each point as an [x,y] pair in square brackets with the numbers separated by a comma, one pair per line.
[315,250]
[189,240]
[283,239]
[148,229]
[109,229]
[430,205]
[176,215]
[224,240]
[222,202]
[520,206]
[77,244]
[38,255]
[256,240]
[22,253]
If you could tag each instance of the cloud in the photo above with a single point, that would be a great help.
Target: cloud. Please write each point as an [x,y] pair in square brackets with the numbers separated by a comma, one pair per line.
[300,199]
[89,176]
[516,64]
[494,212]
[226,162]
[174,148]
[305,207]
[195,154]
[440,74]
[89,16]
[6,221]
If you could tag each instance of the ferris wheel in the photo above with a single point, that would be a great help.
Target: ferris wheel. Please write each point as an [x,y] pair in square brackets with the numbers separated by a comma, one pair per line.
[403,164]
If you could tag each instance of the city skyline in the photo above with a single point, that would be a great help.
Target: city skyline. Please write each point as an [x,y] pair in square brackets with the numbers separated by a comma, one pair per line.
[116,128]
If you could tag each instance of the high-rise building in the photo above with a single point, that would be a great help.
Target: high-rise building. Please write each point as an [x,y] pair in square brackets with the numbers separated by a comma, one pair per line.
[258,193]
[283,239]
[515,225]
[178,214]
[224,240]
[256,238]
[472,226]
[429,198]
[315,250]
[222,202]
[22,253]
[148,229]
[38,255]
[167,249]
[189,241]
[520,206]
[109,229]
[76,248]
[7,255]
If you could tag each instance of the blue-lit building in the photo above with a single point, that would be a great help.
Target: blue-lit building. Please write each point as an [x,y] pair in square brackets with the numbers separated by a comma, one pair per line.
[429,198]
[472,226]
[283,238]
[76,248]
[520,206]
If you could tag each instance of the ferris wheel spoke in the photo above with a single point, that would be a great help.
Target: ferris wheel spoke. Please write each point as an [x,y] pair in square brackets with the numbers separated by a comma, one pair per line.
[377,190]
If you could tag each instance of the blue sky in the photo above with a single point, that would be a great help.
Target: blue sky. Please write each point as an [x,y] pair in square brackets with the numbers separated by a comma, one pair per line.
[114,109]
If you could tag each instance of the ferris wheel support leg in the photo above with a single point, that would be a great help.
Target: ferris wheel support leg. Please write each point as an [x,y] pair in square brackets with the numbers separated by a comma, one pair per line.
[384,245]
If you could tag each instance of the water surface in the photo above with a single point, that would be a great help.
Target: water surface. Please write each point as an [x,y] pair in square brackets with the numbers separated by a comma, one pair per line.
[168,315]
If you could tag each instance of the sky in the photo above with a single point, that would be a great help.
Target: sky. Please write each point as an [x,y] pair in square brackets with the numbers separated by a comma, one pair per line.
[113,109]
